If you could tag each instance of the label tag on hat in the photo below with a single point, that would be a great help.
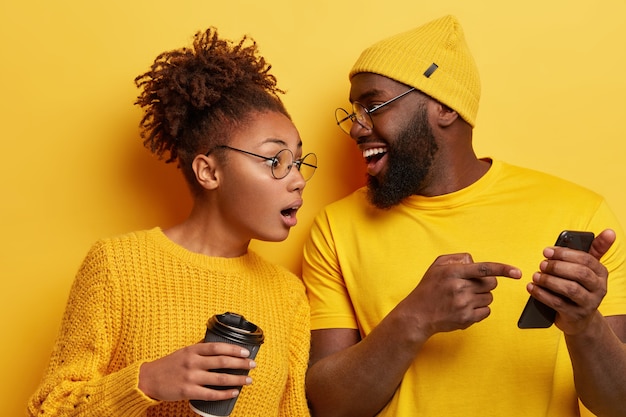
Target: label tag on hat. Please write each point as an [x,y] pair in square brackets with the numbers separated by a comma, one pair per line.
[433,67]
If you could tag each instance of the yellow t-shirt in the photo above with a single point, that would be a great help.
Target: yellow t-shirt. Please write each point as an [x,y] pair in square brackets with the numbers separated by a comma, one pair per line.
[139,297]
[359,262]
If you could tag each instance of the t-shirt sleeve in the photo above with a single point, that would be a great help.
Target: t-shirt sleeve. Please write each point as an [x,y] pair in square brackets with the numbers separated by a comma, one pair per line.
[321,271]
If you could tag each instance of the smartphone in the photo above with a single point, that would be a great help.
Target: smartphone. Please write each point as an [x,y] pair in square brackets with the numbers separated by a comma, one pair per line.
[537,315]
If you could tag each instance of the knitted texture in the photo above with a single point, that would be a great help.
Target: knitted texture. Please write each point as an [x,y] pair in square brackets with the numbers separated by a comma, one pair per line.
[139,297]
[409,57]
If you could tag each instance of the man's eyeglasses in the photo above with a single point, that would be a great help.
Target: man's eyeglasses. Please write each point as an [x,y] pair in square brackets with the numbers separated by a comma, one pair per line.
[282,162]
[361,114]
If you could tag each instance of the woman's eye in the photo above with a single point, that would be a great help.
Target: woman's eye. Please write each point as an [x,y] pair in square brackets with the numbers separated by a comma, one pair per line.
[274,162]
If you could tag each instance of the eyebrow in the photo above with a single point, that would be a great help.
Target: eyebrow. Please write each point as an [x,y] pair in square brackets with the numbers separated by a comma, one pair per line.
[368,94]
[281,142]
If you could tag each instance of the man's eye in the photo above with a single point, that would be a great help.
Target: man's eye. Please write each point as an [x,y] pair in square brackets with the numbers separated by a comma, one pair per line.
[374,106]
[370,107]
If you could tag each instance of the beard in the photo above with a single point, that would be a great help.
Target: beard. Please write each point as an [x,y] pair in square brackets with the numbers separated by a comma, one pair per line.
[409,161]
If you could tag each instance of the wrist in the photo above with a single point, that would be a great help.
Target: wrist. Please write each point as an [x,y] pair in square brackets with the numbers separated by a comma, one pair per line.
[410,329]
[144,379]
[588,331]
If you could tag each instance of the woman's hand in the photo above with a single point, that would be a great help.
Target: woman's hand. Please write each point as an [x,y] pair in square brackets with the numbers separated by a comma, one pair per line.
[183,374]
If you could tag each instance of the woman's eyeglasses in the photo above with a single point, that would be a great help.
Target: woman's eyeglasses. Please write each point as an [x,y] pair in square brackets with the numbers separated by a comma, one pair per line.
[282,162]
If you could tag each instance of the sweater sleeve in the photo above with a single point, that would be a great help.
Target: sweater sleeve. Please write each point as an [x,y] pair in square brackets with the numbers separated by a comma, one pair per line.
[78,381]
[294,400]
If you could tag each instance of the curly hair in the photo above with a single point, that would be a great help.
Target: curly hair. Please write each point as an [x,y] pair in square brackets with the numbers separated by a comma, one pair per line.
[194,97]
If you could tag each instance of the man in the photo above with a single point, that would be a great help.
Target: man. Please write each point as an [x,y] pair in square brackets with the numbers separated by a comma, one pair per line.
[401,275]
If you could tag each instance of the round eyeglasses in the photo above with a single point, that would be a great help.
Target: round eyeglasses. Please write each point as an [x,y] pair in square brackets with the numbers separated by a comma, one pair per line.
[282,162]
[361,114]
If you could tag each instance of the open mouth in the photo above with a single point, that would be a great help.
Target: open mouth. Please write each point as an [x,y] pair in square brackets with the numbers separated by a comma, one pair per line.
[373,155]
[290,212]
[289,215]
[375,159]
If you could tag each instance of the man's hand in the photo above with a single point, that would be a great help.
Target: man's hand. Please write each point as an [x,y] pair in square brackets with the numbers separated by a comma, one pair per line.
[455,293]
[573,283]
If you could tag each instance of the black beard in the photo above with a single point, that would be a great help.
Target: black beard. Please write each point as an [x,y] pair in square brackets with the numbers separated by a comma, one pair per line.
[409,160]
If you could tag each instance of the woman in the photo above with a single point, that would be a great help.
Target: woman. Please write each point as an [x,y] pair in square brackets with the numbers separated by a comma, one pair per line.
[129,340]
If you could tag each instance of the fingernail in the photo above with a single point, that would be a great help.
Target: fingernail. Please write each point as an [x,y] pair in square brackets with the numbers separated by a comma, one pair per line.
[235,393]
[245,352]
[252,364]
[536,276]
[248,381]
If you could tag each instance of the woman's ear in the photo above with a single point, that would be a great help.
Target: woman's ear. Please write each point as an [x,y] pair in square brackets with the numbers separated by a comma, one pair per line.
[206,169]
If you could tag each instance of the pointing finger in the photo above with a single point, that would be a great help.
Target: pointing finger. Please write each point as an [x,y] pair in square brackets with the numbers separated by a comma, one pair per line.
[493,269]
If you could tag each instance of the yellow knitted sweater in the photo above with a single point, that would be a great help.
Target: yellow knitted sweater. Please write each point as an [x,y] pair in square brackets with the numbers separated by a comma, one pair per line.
[139,297]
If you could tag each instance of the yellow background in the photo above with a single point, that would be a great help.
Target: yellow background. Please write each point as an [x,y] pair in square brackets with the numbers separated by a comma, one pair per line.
[73,168]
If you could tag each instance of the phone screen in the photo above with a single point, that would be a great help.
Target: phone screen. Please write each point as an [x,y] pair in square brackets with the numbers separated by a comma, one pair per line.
[537,315]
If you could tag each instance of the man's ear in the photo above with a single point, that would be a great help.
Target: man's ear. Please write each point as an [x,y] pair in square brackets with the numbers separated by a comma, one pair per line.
[207,172]
[445,115]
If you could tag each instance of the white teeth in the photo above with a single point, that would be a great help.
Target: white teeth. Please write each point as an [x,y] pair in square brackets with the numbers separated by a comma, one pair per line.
[373,151]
